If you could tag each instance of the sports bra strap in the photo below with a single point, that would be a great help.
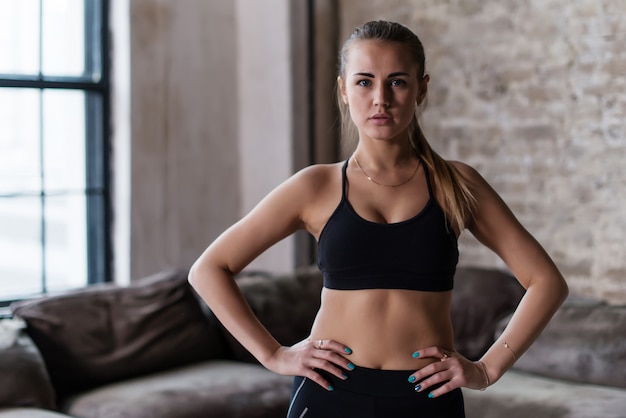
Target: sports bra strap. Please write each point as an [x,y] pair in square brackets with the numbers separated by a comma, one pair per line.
[344,179]
[430,188]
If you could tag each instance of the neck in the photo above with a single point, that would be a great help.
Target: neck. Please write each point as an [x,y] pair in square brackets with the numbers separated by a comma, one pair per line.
[383,155]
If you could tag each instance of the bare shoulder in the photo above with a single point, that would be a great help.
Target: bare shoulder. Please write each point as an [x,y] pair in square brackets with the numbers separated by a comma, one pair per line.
[317,175]
[477,184]
[489,205]
[319,188]
[468,172]
[310,183]
[301,191]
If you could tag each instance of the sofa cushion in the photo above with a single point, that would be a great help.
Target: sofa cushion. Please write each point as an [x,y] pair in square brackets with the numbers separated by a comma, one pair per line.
[285,304]
[30,413]
[97,335]
[522,395]
[584,342]
[219,389]
[481,298]
[24,381]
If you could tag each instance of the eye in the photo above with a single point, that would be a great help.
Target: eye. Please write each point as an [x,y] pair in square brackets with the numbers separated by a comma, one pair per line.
[398,82]
[364,83]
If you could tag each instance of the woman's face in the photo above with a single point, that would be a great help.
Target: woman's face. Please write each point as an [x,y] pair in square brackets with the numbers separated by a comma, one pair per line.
[381,85]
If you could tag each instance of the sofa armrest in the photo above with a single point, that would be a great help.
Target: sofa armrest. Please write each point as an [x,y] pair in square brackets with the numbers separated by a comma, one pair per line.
[24,380]
[105,333]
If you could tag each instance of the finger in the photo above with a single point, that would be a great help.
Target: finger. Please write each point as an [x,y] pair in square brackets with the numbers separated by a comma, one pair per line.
[429,370]
[317,378]
[435,379]
[333,359]
[442,390]
[432,352]
[332,346]
[328,367]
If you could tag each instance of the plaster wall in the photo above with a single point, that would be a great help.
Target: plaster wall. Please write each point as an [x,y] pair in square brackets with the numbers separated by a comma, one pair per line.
[265,112]
[209,128]
[533,95]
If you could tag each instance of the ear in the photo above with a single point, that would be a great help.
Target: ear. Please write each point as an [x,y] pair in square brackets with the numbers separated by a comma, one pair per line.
[423,89]
[342,89]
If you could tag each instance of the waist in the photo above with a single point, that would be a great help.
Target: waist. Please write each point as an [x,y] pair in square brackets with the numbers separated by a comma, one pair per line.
[385,327]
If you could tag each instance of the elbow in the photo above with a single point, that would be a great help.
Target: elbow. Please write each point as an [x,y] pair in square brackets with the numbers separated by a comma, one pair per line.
[558,290]
[194,275]
[564,290]
[204,270]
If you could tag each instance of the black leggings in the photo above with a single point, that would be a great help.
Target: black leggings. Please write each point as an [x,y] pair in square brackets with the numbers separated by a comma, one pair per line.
[371,393]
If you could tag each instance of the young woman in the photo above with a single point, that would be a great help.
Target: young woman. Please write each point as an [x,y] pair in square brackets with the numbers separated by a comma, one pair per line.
[386,222]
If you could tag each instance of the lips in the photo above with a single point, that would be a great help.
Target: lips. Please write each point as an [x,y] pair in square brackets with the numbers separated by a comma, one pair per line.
[381,118]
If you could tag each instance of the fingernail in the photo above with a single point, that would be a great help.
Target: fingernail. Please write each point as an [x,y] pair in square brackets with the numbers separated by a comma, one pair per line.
[350,366]
[331,388]
[411,379]
[416,354]
[347,350]
[418,388]
[344,375]
[431,395]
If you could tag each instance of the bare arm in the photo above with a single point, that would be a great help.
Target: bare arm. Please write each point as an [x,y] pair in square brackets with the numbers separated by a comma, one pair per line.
[212,274]
[274,218]
[495,226]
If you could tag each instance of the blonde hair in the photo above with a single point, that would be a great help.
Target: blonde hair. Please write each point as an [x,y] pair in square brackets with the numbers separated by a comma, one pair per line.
[459,201]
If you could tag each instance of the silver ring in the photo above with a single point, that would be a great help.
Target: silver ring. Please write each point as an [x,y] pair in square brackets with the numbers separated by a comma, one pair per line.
[319,344]
[445,356]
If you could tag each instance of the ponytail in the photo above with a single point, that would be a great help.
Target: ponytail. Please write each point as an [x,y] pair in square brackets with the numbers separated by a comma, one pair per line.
[458,200]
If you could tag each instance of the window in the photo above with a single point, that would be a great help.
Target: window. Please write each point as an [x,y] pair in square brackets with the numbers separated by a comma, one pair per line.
[54,99]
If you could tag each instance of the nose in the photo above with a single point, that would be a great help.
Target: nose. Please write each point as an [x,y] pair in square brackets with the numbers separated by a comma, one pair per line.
[381,96]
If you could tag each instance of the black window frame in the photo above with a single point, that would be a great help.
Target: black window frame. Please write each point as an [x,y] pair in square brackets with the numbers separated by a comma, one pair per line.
[97,137]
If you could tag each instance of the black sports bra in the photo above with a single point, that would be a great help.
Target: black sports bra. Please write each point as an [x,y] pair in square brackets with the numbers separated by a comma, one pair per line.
[420,253]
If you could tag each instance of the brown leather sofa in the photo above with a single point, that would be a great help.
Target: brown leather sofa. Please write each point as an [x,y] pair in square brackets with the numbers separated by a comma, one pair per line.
[154,350]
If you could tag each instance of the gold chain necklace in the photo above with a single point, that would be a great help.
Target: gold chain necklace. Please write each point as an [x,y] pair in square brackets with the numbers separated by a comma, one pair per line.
[383,184]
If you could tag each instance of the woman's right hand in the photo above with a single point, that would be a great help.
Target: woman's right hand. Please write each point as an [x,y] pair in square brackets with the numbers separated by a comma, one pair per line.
[308,356]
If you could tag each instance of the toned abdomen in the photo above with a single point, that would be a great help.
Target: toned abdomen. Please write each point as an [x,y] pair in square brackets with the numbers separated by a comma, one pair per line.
[383,327]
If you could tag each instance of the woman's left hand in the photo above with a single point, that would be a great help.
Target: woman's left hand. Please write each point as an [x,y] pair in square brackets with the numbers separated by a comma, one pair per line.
[452,368]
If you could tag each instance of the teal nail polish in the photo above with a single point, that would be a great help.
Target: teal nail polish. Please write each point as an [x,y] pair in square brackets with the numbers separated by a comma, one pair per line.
[416,354]
[431,395]
[344,375]
[350,366]
[347,350]
[331,388]
[411,379]
[418,388]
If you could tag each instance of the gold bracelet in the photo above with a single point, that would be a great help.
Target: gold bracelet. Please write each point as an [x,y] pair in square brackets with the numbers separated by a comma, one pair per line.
[506,345]
[482,365]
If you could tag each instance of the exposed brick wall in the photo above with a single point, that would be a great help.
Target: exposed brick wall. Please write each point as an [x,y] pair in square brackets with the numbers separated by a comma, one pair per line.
[533,95]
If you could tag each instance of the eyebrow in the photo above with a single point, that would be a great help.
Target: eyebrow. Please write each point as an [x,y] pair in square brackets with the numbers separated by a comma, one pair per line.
[391,75]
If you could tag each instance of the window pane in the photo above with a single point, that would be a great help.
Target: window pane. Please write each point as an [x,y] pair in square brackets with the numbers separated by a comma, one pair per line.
[20,247]
[64,140]
[19,37]
[52,146]
[95,143]
[19,141]
[63,27]
[66,242]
